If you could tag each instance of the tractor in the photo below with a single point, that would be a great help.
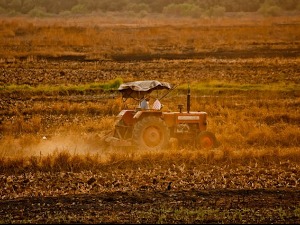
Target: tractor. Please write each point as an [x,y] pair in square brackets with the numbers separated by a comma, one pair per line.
[152,129]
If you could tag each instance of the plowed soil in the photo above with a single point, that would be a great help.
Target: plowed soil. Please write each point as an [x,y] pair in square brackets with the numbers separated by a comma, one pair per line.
[254,206]
[225,193]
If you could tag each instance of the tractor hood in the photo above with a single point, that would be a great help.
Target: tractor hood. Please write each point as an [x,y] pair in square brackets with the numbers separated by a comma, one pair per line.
[138,89]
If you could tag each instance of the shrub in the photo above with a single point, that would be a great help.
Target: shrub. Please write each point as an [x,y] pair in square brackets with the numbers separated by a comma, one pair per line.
[216,11]
[137,8]
[2,11]
[37,12]
[270,9]
[79,9]
[298,7]
[184,9]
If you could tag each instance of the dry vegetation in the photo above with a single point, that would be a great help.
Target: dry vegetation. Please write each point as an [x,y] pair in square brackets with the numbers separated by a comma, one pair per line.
[58,98]
[96,38]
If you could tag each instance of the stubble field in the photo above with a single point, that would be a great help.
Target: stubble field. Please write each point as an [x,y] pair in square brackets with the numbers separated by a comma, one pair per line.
[58,98]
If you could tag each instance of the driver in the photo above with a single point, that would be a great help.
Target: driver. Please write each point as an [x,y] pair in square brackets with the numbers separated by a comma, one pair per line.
[145,103]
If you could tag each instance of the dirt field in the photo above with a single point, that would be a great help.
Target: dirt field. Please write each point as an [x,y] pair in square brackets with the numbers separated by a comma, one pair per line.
[217,206]
[224,193]
[252,178]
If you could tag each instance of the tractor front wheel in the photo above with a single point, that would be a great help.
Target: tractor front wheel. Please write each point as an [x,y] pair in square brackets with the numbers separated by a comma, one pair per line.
[151,133]
[206,140]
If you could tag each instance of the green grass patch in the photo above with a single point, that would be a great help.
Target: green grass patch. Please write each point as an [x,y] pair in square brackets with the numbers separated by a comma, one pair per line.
[14,87]
[225,86]
[110,85]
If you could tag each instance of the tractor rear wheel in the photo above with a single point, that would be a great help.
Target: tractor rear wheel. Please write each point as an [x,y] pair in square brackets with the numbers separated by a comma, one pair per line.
[206,140]
[151,133]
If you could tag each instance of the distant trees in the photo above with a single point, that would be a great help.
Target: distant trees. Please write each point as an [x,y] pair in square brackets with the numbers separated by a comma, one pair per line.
[182,8]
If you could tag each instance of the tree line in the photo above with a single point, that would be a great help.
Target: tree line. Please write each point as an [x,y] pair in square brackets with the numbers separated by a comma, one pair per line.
[191,8]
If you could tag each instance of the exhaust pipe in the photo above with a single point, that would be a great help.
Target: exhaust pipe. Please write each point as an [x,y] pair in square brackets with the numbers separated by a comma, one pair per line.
[188,100]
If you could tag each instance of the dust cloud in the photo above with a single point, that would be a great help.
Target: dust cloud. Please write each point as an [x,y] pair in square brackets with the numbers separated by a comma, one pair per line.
[75,144]
[72,143]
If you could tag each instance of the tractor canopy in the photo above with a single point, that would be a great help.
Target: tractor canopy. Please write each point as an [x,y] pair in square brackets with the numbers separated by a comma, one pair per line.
[138,89]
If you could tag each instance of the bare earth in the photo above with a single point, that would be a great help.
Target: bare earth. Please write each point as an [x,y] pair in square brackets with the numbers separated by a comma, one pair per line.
[147,206]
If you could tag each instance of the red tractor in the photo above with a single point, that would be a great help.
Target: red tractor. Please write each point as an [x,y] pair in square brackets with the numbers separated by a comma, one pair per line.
[152,129]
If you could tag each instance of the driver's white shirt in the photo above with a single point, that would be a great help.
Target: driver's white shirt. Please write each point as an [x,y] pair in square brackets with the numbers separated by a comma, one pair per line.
[156,105]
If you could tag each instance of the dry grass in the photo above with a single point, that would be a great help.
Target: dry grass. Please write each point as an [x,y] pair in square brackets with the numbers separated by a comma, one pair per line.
[94,39]
[64,160]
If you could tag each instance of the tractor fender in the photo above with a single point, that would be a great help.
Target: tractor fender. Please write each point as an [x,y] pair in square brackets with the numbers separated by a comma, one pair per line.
[142,114]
